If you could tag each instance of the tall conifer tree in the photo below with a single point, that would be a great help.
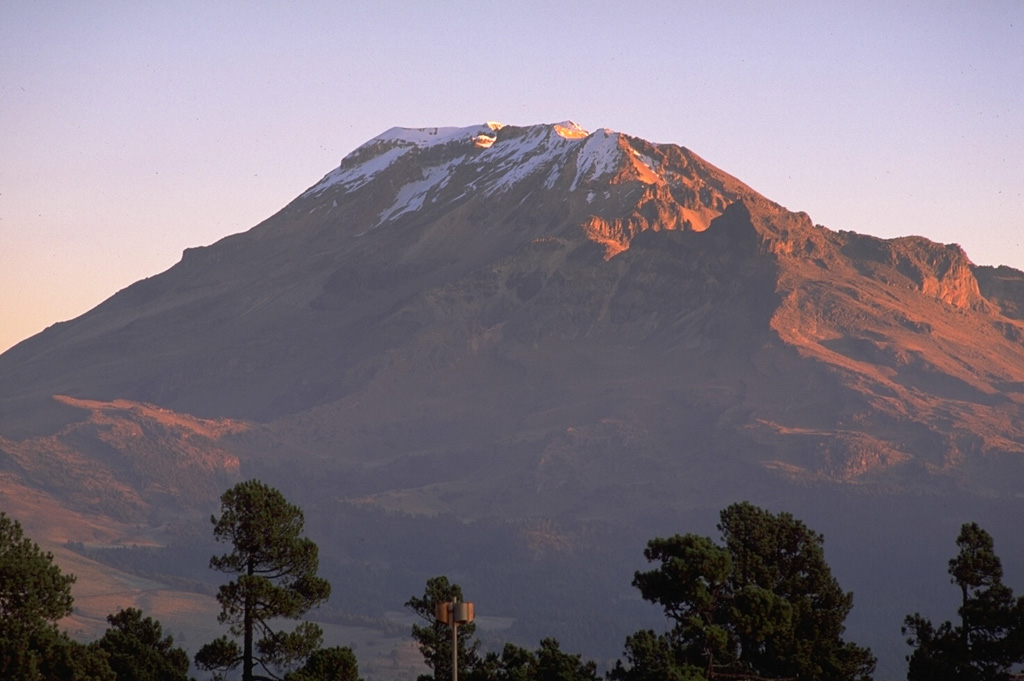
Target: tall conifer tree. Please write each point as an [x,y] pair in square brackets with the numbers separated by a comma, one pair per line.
[989,641]
[275,570]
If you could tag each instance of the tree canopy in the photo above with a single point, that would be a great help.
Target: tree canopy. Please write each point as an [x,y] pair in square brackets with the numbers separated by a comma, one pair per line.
[137,649]
[435,639]
[337,663]
[989,641]
[547,663]
[34,596]
[34,593]
[276,578]
[763,606]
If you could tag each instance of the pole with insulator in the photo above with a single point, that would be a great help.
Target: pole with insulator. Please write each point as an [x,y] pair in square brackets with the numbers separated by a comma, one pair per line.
[454,613]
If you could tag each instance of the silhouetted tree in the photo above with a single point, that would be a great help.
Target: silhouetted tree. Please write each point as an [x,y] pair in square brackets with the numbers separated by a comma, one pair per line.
[764,606]
[989,641]
[435,639]
[547,663]
[654,657]
[328,664]
[34,595]
[138,649]
[554,665]
[513,663]
[276,578]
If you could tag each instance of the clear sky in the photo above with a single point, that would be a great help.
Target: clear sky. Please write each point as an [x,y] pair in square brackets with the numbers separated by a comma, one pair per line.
[130,131]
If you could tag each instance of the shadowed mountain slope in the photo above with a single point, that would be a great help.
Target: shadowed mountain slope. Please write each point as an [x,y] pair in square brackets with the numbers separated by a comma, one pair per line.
[522,322]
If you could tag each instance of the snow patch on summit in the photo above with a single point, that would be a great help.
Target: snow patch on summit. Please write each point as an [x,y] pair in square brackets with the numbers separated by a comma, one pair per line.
[426,137]
[570,131]
[512,160]
[646,160]
[355,176]
[485,141]
[490,158]
[376,155]
[412,196]
[599,156]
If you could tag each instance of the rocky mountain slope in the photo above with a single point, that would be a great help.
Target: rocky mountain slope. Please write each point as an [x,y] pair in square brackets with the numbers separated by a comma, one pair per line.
[528,323]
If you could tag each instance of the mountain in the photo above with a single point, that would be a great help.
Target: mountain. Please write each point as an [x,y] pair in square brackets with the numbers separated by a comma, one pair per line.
[571,339]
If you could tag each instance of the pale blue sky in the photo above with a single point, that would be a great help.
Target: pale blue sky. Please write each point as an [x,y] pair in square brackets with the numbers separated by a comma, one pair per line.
[130,131]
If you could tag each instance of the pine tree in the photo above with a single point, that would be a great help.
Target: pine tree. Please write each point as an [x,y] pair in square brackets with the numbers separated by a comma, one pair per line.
[547,663]
[328,664]
[34,596]
[138,649]
[989,641]
[435,639]
[275,569]
[764,606]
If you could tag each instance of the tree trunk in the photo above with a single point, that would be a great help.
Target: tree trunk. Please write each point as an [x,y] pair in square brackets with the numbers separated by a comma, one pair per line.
[247,633]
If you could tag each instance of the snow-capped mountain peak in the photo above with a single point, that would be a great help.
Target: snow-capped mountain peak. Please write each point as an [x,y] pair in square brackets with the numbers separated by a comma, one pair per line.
[604,174]
[508,146]
[569,130]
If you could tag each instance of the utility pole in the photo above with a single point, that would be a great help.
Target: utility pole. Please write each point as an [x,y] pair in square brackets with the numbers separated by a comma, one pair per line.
[454,613]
